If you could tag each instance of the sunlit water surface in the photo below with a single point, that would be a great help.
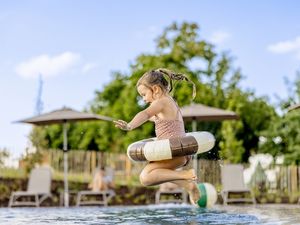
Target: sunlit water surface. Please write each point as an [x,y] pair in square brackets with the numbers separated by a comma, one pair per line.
[154,214]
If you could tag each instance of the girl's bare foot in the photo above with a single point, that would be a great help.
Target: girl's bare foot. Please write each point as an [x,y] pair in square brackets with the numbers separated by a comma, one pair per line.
[189,175]
[194,193]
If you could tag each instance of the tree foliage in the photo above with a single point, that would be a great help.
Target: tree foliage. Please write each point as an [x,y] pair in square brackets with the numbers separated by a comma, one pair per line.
[4,154]
[282,138]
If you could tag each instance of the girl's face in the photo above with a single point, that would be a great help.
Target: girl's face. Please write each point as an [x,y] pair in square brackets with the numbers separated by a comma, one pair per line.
[146,93]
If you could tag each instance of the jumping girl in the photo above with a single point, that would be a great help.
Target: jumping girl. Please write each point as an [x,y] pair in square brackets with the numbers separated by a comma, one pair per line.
[165,113]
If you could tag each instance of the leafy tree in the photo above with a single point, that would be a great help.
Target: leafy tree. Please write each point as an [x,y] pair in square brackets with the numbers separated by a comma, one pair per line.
[38,138]
[293,88]
[283,135]
[4,154]
[179,48]
[282,138]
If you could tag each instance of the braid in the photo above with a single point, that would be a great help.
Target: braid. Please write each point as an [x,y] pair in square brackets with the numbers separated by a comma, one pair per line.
[177,77]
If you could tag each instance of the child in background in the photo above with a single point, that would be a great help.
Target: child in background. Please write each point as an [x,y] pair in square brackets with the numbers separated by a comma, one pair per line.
[165,113]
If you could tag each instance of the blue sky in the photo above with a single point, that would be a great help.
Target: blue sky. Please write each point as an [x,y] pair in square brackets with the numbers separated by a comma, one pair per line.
[77,44]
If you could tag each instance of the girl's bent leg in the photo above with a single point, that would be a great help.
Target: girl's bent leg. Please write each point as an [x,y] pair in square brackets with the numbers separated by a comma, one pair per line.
[191,188]
[164,171]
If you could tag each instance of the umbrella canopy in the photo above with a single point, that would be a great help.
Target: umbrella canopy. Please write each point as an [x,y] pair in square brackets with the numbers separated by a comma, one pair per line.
[297,106]
[199,112]
[63,115]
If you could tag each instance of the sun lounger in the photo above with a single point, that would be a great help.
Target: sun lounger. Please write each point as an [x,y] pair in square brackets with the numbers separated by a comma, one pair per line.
[38,189]
[96,196]
[233,183]
[170,195]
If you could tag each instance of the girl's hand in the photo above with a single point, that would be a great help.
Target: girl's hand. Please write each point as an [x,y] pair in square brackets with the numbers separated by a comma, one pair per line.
[122,124]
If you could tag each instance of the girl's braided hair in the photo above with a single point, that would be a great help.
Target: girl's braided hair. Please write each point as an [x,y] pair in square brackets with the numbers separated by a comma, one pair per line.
[157,77]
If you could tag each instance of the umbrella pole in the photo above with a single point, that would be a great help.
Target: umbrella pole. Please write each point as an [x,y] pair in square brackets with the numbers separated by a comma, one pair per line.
[195,161]
[66,188]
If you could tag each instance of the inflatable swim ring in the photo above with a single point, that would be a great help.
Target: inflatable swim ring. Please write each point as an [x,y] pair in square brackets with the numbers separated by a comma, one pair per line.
[156,150]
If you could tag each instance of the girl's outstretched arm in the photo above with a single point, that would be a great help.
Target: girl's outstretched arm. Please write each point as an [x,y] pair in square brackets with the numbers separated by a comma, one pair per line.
[141,117]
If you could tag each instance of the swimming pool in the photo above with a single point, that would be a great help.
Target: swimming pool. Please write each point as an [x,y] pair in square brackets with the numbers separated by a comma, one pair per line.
[153,214]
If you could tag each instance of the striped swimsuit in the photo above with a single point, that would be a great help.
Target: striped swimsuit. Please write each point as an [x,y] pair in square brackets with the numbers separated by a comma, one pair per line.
[166,128]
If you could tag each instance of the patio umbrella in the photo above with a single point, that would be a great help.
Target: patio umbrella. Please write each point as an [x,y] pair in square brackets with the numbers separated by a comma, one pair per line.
[297,106]
[63,116]
[198,112]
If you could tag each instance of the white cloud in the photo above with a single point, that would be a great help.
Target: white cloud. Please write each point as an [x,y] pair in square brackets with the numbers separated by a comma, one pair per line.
[219,37]
[88,67]
[47,66]
[290,46]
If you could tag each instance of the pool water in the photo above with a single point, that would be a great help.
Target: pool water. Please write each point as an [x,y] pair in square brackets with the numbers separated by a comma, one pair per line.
[153,214]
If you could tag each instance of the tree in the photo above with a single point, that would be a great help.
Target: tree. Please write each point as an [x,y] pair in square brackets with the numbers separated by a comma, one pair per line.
[4,154]
[179,48]
[283,135]
[283,138]
[293,88]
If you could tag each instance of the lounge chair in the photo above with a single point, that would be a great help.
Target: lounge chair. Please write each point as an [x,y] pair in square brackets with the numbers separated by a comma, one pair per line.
[233,183]
[38,189]
[94,196]
[99,197]
[169,193]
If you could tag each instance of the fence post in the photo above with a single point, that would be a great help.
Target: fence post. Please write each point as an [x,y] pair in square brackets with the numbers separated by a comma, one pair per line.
[293,179]
[127,168]
[93,162]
